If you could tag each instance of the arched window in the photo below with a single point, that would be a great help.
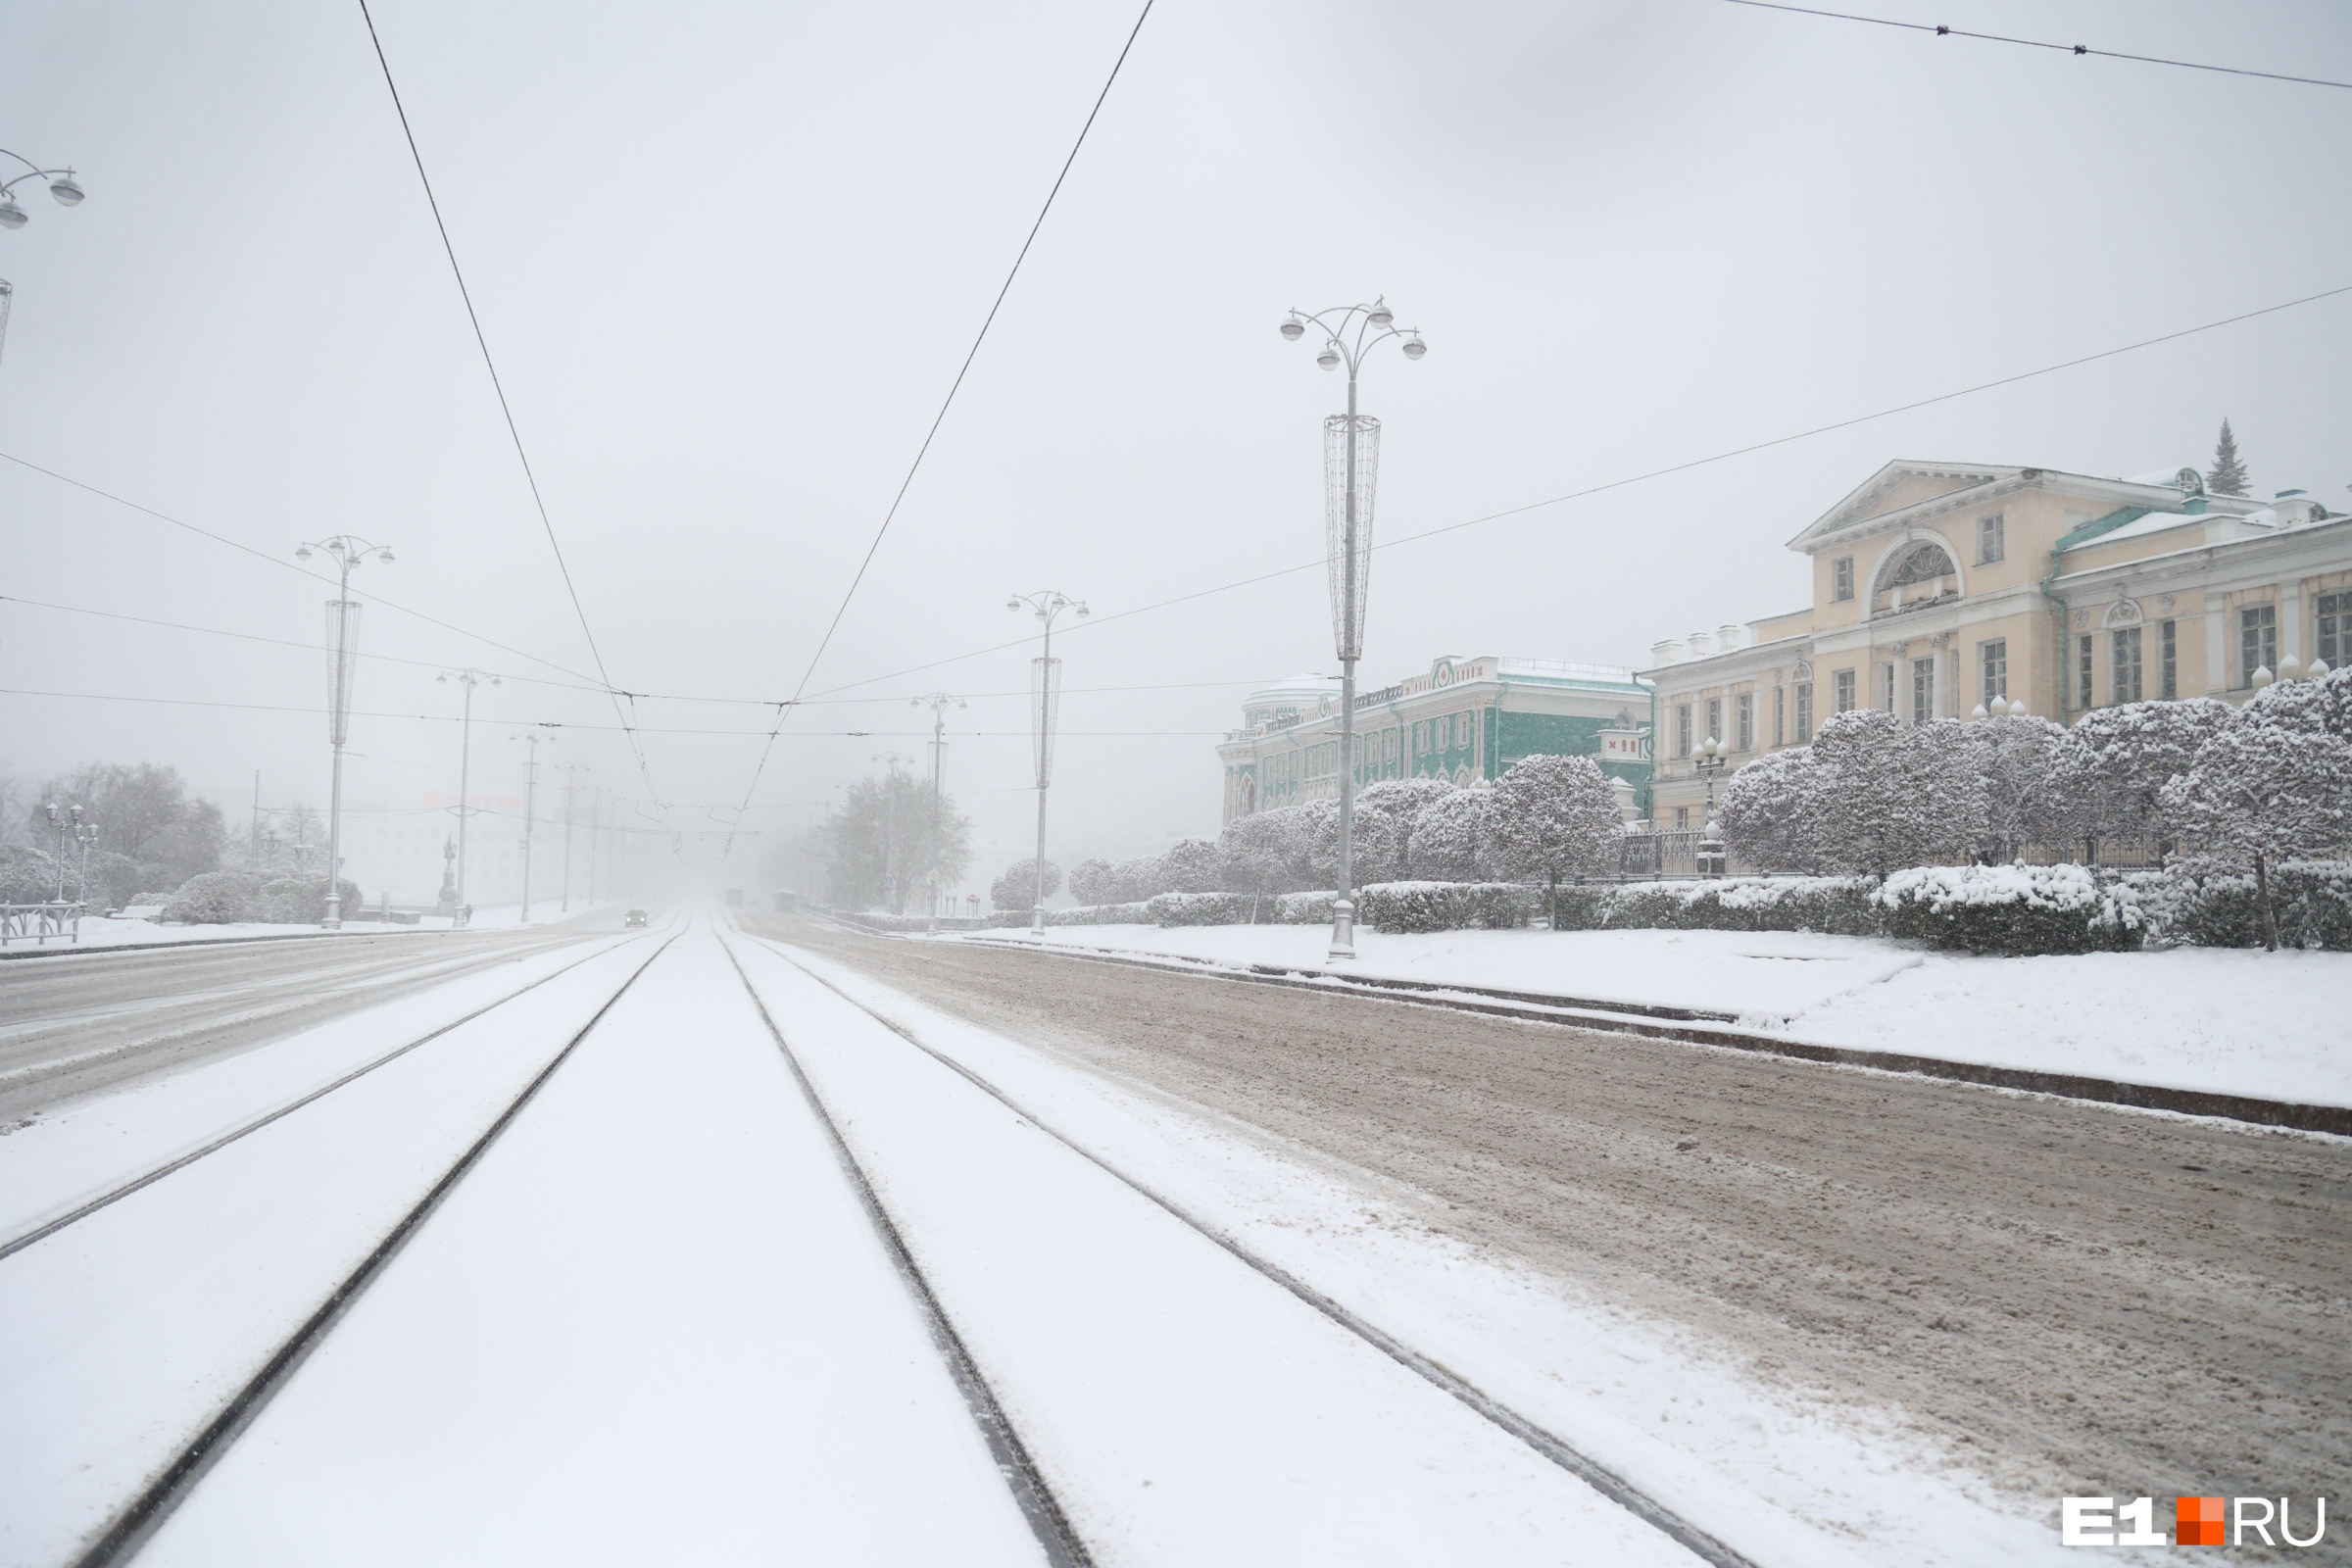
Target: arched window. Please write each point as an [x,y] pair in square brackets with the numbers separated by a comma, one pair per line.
[1924,561]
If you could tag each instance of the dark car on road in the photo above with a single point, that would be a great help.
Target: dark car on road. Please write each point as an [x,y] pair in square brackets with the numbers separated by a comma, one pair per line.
[634,919]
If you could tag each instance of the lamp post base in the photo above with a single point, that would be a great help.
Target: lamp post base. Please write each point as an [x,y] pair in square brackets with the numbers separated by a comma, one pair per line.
[1343,931]
[335,912]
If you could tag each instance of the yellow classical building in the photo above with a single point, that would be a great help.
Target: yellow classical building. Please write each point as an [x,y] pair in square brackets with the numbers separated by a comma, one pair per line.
[1943,588]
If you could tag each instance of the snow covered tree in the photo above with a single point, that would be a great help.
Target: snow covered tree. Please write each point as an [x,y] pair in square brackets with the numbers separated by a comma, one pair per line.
[2107,774]
[1385,814]
[2228,474]
[2011,757]
[1770,811]
[1016,889]
[1137,878]
[1267,853]
[1192,865]
[1453,837]
[2276,781]
[883,839]
[1556,816]
[1092,881]
[1893,796]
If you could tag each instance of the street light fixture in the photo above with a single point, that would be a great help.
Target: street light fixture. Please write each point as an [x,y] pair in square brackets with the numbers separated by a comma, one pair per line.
[532,738]
[1044,694]
[469,679]
[63,187]
[1350,461]
[1713,757]
[343,629]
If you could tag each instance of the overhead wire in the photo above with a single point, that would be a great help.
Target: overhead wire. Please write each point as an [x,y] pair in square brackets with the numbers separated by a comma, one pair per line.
[514,433]
[784,711]
[1942,31]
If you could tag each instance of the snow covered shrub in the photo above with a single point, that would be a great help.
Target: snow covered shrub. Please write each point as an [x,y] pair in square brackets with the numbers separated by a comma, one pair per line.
[2212,905]
[1016,889]
[1386,814]
[1446,905]
[1892,795]
[2011,908]
[1092,882]
[1200,908]
[30,877]
[1304,909]
[293,900]
[1453,837]
[1192,865]
[1827,905]
[218,897]
[1556,816]
[115,880]
[1266,852]
[2273,782]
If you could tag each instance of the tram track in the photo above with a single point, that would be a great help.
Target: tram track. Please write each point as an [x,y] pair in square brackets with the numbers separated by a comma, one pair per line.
[1555,1449]
[136,1521]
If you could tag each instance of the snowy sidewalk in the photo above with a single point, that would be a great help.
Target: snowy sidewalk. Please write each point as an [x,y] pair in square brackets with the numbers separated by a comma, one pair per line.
[2221,1021]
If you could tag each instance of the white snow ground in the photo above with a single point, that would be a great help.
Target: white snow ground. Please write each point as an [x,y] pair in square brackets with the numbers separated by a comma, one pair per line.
[2264,1024]
[1784,1480]
[99,931]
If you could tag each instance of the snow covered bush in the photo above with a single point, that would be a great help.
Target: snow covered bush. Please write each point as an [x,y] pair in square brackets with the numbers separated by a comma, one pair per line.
[1554,818]
[30,877]
[1267,851]
[1092,882]
[1398,906]
[1200,908]
[1893,794]
[2211,905]
[219,898]
[2107,774]
[1192,865]
[1386,814]
[1771,809]
[292,900]
[1827,905]
[1453,837]
[2011,908]
[2275,782]
[1304,909]
[1016,889]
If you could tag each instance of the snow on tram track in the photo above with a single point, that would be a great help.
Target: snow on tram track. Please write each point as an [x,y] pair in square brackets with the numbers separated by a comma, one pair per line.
[91,1466]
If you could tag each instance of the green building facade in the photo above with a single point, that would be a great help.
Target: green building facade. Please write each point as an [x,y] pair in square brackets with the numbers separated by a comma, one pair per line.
[1466,720]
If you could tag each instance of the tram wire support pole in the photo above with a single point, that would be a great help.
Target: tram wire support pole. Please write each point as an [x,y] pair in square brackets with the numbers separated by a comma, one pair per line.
[350,552]
[1044,682]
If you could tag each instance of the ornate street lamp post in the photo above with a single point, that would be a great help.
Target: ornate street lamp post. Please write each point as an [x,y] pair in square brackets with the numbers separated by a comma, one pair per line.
[63,187]
[63,823]
[1711,761]
[1350,462]
[1044,693]
[343,630]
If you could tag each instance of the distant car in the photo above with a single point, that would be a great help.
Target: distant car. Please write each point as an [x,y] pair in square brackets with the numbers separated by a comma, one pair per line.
[634,919]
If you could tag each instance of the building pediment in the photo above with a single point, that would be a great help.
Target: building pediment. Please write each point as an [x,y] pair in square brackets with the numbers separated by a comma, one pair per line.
[1897,487]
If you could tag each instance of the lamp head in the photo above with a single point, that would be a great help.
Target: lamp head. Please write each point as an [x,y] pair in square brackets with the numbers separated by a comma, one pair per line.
[302,553]
[1329,359]
[1083,611]
[1294,329]
[384,555]
[1414,348]
[67,193]
[1380,313]
[2262,678]
[1013,603]
[10,215]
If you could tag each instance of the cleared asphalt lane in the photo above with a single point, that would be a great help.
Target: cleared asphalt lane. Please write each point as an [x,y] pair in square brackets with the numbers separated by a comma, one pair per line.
[2062,1296]
[74,1024]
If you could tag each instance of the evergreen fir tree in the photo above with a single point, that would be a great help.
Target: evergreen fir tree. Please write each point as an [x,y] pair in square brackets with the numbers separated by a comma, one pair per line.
[2229,475]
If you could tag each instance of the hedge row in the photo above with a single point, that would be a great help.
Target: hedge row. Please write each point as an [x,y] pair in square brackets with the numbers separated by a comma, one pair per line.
[1448,906]
[2011,908]
[2198,905]
[1831,904]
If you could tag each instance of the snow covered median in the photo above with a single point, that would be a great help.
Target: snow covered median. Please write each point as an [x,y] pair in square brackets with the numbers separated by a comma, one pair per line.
[2225,1021]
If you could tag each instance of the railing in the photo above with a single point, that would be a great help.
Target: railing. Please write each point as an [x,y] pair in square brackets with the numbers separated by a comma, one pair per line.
[1670,851]
[38,922]
[1387,693]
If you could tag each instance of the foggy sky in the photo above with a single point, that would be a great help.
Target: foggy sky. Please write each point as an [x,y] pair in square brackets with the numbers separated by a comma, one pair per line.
[729,257]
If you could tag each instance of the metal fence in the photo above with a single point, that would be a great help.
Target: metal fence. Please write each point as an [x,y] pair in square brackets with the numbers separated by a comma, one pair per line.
[38,922]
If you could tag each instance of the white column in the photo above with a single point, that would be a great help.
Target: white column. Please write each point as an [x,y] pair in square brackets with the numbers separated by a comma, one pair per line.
[2291,620]
[2217,644]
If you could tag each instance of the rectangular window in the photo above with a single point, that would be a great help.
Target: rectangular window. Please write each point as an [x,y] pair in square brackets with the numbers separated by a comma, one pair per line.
[2257,641]
[1714,719]
[1389,746]
[1841,577]
[1804,714]
[1989,542]
[1744,722]
[1993,666]
[2123,665]
[1887,687]
[2168,654]
[1681,729]
[1923,690]
[1681,816]
[1779,716]
[1843,684]
[2335,629]
[2082,673]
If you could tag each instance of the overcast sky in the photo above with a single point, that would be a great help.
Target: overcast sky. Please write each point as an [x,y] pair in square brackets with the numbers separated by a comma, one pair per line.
[730,256]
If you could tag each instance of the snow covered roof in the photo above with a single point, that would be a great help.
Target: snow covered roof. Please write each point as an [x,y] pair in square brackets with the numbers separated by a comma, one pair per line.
[1293,688]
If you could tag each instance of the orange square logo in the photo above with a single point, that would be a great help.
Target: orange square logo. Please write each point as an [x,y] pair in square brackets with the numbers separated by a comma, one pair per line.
[2197,1522]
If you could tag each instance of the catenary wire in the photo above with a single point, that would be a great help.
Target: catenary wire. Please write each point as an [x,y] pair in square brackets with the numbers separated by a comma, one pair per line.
[784,709]
[547,522]
[1942,31]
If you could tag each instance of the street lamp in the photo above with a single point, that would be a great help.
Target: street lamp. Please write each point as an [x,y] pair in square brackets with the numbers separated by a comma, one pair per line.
[1350,462]
[1713,757]
[343,628]
[939,702]
[469,679]
[64,822]
[85,834]
[532,739]
[63,187]
[1045,700]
